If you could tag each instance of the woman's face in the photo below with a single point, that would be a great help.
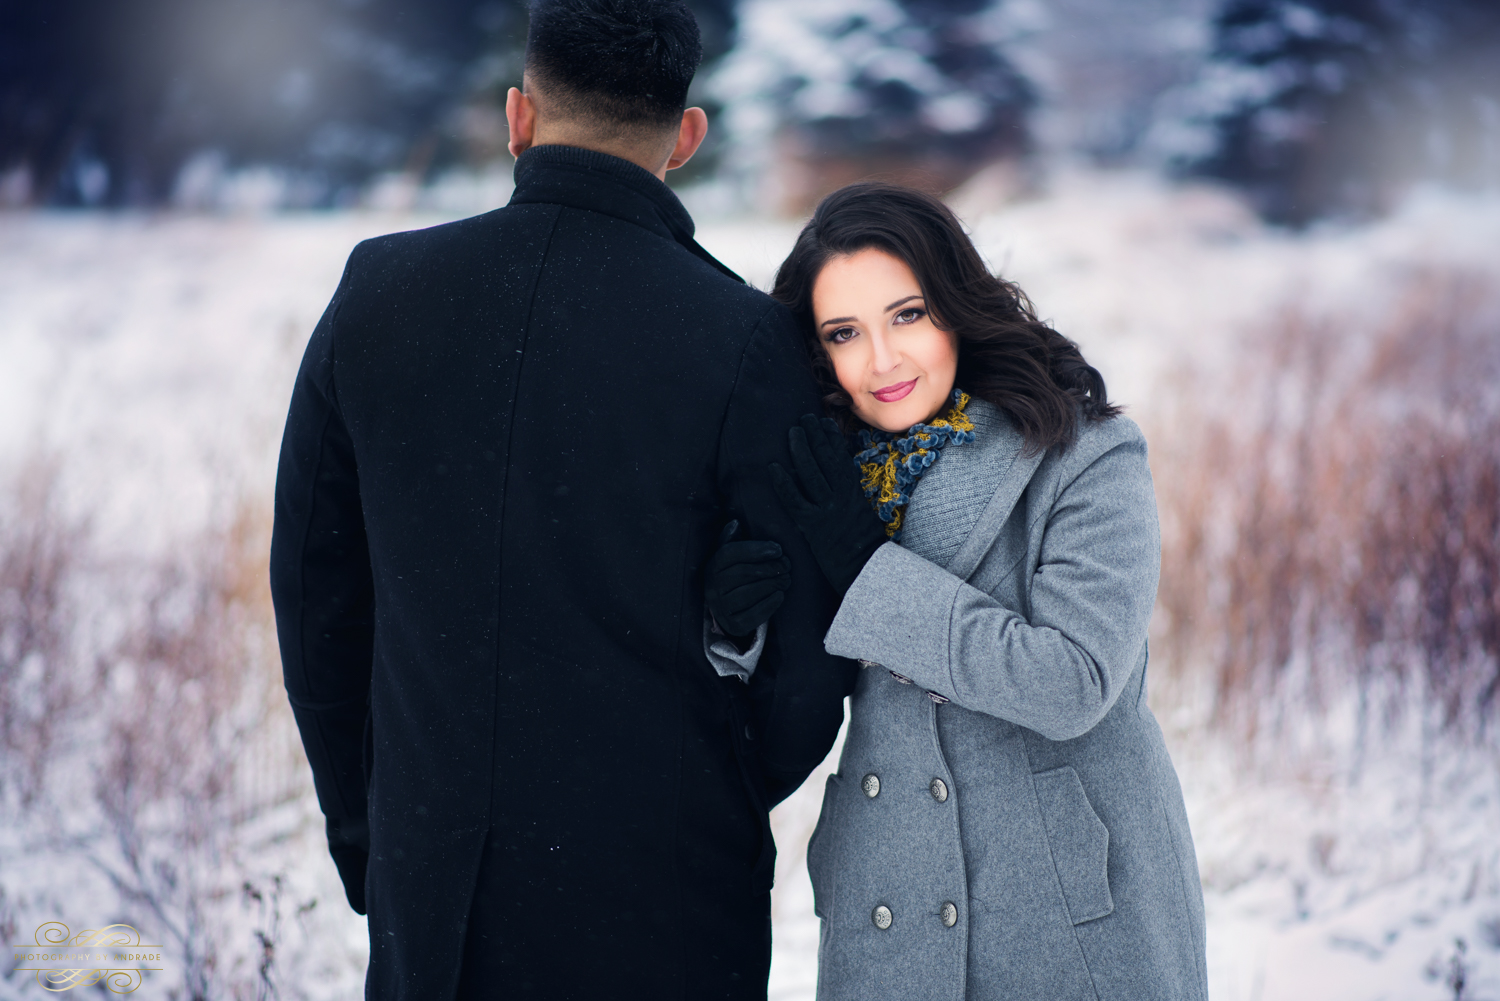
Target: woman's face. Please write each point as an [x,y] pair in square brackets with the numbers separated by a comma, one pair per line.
[894,363]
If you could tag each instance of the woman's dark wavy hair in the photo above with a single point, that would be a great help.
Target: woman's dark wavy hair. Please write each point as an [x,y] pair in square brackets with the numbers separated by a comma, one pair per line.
[1005,354]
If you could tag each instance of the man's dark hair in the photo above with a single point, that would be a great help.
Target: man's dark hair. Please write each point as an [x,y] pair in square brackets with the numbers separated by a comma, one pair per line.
[625,65]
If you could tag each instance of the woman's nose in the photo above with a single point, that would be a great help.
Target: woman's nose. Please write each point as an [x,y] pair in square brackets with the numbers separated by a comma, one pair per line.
[884,357]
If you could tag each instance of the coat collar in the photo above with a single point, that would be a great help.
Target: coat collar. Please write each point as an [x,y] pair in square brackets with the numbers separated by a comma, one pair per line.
[972,491]
[597,182]
[1009,469]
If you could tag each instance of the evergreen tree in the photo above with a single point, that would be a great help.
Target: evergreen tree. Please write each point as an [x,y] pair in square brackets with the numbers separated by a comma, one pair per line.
[898,79]
[103,102]
[1334,107]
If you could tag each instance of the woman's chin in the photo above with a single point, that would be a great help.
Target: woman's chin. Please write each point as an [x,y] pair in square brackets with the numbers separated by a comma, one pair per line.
[898,417]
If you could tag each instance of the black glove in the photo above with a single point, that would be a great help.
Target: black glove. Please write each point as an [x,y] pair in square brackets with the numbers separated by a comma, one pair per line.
[349,844]
[827,502]
[746,582]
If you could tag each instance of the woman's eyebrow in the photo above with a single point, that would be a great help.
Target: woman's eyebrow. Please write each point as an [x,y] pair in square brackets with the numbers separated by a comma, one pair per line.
[850,319]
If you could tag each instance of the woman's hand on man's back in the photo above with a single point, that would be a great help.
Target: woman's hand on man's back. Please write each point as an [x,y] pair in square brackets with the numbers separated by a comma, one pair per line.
[827,502]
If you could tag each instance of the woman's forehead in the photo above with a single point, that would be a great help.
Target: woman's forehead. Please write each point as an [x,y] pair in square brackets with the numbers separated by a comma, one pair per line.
[865,281]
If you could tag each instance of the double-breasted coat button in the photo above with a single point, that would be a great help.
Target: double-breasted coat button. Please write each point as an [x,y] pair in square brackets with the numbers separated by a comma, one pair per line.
[949,914]
[871,785]
[939,790]
[882,917]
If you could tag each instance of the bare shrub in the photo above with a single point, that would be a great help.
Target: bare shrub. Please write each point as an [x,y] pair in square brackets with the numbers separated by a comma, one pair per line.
[39,552]
[1341,523]
[142,717]
[192,703]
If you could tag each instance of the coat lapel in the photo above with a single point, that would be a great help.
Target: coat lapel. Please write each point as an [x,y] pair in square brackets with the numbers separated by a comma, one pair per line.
[963,500]
[987,528]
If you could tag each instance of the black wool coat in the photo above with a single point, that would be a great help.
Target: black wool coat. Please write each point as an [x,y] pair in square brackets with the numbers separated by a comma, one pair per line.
[511,447]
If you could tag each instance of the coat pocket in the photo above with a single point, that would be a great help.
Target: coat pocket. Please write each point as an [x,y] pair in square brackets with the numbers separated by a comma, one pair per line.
[819,869]
[1079,842]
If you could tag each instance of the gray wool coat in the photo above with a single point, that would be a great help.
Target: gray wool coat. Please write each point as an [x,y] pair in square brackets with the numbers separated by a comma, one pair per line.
[1026,839]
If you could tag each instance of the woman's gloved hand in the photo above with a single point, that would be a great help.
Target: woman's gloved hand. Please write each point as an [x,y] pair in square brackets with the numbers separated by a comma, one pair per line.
[827,502]
[746,582]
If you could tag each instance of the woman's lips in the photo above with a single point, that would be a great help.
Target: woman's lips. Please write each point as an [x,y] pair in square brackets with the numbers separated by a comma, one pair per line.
[890,394]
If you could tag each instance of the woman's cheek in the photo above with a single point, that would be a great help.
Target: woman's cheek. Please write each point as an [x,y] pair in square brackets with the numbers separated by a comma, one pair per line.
[848,371]
[944,358]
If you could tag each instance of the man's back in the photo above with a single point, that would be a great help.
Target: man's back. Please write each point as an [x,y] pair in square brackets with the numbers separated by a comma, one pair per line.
[540,419]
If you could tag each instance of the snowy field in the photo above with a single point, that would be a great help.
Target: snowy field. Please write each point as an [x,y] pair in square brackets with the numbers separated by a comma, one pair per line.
[151,357]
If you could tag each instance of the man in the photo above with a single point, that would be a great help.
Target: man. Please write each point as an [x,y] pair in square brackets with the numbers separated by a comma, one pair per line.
[512,446]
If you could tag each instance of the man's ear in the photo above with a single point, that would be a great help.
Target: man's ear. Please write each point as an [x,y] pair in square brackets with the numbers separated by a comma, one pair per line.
[520,115]
[689,137]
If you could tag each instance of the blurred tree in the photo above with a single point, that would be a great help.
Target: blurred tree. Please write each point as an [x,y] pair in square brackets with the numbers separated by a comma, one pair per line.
[849,87]
[1102,65]
[138,102]
[1335,107]
[105,101]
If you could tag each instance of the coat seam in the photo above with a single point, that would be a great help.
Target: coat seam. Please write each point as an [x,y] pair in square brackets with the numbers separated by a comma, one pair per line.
[310,500]
[489,808]
[828,925]
[1198,947]
[510,433]
[323,706]
[331,409]
[1057,878]
[762,824]
[952,621]
[1052,504]
[677,782]
[739,371]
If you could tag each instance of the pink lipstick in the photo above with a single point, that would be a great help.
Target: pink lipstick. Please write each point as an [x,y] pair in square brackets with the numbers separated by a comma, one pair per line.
[899,391]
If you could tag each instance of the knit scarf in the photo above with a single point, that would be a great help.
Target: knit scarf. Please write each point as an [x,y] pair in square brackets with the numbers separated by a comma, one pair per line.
[891,464]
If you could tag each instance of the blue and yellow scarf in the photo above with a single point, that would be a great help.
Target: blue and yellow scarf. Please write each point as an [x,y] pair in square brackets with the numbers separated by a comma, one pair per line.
[891,464]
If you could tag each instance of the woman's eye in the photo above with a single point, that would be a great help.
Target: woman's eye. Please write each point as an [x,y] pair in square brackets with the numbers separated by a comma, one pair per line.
[841,335]
[910,315]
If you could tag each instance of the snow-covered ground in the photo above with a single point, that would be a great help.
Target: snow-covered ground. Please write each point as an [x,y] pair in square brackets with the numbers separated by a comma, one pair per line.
[153,355]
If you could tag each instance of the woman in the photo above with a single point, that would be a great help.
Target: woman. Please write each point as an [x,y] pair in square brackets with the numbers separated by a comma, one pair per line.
[1005,821]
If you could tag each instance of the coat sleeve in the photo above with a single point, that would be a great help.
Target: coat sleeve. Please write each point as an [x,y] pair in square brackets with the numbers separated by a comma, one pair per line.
[1057,672]
[797,689]
[322,589]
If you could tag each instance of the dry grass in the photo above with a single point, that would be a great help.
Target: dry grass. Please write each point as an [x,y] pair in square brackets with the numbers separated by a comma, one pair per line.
[39,553]
[142,726]
[1331,516]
